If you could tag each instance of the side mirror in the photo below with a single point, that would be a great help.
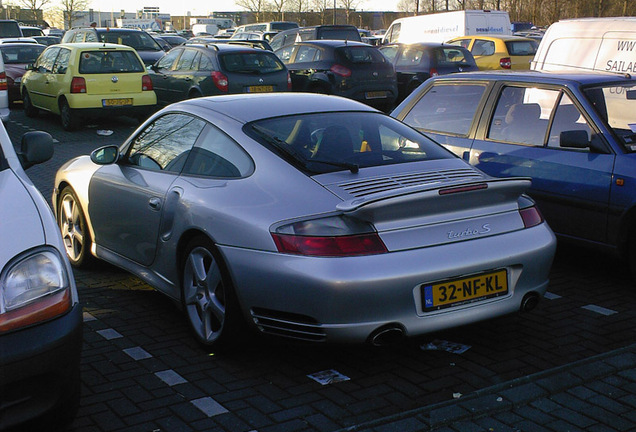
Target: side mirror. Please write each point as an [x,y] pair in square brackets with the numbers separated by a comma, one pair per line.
[105,155]
[36,147]
[578,139]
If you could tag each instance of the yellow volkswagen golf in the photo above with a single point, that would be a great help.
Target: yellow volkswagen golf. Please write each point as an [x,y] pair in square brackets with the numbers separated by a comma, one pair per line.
[84,80]
[499,52]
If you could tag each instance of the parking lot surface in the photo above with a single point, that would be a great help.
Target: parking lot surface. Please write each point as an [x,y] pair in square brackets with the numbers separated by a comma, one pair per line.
[568,365]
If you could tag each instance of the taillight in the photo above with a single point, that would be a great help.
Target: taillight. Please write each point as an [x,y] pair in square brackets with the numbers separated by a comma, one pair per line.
[505,63]
[78,85]
[434,72]
[289,82]
[340,70]
[335,236]
[3,81]
[146,83]
[531,216]
[220,81]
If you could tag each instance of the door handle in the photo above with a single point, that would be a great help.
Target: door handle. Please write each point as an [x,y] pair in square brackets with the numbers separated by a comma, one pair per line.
[154,203]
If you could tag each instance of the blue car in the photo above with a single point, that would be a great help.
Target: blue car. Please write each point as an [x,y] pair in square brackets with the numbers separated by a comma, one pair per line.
[573,134]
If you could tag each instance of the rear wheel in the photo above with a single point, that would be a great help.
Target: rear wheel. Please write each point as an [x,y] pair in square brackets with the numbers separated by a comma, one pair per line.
[207,295]
[29,109]
[74,229]
[70,119]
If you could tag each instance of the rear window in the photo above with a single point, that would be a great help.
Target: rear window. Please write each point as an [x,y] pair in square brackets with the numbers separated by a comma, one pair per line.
[96,62]
[522,48]
[138,40]
[453,56]
[280,26]
[339,34]
[9,29]
[250,62]
[336,141]
[360,55]
[22,54]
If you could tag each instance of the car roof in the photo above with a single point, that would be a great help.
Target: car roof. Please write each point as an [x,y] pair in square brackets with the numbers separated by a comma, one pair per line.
[224,47]
[332,43]
[21,44]
[245,108]
[93,45]
[556,77]
[504,38]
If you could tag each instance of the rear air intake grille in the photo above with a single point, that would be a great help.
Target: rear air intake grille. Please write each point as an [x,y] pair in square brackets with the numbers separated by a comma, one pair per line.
[382,184]
[288,324]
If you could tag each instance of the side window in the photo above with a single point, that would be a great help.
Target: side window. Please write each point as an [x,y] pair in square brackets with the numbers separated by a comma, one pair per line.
[410,57]
[78,37]
[483,48]
[91,36]
[216,155]
[185,61]
[306,54]
[206,63]
[522,115]
[394,33]
[448,108]
[164,144]
[167,60]
[464,43]
[47,60]
[285,53]
[567,118]
[61,63]
[389,52]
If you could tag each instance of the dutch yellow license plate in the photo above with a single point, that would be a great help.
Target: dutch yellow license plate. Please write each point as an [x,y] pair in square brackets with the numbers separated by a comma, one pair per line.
[375,95]
[454,292]
[260,89]
[117,102]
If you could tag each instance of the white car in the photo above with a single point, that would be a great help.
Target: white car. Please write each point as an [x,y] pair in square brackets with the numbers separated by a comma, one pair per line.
[4,93]
[40,314]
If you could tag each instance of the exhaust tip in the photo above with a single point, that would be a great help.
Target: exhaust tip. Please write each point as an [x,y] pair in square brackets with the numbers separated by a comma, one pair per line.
[387,335]
[529,302]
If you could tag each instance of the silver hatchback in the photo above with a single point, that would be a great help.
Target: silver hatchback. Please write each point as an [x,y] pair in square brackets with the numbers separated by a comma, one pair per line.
[308,216]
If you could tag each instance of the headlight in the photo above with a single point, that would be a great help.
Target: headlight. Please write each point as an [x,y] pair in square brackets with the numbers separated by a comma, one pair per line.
[33,287]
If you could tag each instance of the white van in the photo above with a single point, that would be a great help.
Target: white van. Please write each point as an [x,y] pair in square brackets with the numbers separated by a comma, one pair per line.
[440,27]
[602,44]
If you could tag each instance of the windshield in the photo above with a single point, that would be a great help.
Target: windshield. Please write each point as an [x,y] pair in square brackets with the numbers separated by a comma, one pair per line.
[251,62]
[336,141]
[616,104]
[139,40]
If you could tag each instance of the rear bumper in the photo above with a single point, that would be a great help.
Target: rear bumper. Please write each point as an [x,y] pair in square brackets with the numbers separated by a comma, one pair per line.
[93,104]
[39,369]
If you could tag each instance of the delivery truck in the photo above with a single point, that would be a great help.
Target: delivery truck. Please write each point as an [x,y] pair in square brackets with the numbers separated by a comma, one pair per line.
[440,27]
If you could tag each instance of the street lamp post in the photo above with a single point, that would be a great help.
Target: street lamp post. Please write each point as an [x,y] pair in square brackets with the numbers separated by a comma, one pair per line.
[334,11]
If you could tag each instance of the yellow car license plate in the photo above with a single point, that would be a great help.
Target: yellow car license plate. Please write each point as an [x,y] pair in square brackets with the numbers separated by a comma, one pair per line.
[117,102]
[454,292]
[260,89]
[375,95]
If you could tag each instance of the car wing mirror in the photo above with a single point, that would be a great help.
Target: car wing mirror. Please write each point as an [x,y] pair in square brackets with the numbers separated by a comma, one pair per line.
[105,155]
[578,139]
[36,147]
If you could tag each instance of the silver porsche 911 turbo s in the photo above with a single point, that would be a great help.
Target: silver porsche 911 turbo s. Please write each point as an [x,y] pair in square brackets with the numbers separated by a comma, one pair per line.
[307,216]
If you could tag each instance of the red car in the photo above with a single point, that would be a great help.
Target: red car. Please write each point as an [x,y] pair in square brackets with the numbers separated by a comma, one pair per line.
[16,57]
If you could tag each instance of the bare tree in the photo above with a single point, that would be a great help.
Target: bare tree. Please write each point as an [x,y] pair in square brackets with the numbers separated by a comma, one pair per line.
[254,6]
[70,10]
[348,6]
[408,6]
[34,6]
[279,5]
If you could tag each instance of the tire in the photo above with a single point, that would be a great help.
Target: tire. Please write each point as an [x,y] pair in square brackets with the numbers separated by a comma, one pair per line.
[74,229]
[208,297]
[29,109]
[70,120]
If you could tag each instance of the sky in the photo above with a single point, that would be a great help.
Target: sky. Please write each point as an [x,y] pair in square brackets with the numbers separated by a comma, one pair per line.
[203,7]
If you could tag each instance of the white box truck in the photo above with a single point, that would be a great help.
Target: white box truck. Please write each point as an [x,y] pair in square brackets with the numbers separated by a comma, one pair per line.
[440,27]
[209,29]
[602,44]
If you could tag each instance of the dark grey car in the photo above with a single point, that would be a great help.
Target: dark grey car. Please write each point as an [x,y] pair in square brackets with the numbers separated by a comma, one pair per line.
[206,70]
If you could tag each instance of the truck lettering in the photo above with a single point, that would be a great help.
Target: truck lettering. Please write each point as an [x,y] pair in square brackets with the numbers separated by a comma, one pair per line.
[626,45]
[620,66]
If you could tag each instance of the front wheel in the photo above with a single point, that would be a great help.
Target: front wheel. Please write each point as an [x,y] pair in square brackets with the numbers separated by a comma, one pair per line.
[208,299]
[70,120]
[74,228]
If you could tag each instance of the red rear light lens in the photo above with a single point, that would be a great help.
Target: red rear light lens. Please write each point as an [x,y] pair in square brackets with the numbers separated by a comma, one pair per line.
[78,85]
[146,83]
[362,244]
[289,82]
[505,63]
[434,72]
[531,216]
[3,81]
[341,70]
[220,81]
